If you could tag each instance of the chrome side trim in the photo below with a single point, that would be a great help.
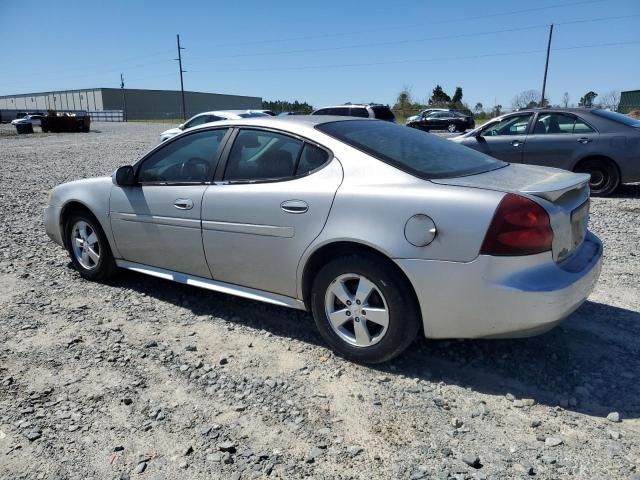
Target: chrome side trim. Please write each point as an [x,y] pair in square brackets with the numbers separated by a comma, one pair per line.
[214,285]
[267,230]
[172,221]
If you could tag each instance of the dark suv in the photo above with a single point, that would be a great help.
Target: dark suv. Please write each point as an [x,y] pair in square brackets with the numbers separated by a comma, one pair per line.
[369,110]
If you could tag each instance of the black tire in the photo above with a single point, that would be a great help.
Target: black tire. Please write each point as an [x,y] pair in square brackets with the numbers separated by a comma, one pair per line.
[605,177]
[106,265]
[404,320]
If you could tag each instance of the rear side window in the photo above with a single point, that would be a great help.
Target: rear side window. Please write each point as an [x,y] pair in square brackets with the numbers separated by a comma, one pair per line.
[262,155]
[383,113]
[359,112]
[425,156]
[311,158]
[581,127]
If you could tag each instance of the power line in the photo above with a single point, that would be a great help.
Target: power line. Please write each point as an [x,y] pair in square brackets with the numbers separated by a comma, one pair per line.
[423,60]
[398,27]
[414,40]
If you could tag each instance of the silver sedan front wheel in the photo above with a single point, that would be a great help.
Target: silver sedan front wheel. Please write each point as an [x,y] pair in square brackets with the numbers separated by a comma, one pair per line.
[357,310]
[85,245]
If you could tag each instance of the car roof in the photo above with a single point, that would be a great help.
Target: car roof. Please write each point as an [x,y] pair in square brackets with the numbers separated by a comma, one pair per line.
[357,105]
[285,122]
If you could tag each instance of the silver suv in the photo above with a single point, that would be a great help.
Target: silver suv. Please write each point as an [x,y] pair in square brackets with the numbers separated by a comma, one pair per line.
[369,110]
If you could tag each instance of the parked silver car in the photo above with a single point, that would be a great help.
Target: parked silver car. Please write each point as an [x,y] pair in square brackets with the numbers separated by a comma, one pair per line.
[381,231]
[599,142]
[208,117]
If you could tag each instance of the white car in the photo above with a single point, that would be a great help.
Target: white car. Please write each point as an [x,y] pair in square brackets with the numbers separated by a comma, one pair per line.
[208,117]
[32,119]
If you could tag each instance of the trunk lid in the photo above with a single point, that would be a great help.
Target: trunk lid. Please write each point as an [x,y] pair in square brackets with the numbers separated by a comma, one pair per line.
[563,194]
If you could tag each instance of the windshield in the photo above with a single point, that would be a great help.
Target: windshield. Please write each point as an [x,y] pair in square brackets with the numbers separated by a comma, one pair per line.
[421,154]
[252,114]
[617,117]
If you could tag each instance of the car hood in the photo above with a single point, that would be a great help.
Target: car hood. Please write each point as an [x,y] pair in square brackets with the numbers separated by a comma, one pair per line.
[172,131]
[412,118]
[545,182]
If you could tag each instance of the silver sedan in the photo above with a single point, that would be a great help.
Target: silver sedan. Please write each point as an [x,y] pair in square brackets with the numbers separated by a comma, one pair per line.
[381,231]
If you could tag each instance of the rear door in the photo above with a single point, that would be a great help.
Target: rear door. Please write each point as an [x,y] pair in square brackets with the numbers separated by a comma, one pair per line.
[503,139]
[272,199]
[559,139]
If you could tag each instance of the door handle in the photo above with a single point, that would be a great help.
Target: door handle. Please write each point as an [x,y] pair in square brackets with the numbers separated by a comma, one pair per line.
[516,143]
[584,140]
[183,204]
[294,206]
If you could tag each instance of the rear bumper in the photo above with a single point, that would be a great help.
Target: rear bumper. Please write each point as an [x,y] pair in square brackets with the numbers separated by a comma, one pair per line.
[52,223]
[502,296]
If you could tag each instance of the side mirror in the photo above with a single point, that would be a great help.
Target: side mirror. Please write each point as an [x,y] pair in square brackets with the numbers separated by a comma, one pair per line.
[124,176]
[181,126]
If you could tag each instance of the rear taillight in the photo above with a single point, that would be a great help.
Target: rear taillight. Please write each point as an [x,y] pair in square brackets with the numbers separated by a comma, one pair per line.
[519,227]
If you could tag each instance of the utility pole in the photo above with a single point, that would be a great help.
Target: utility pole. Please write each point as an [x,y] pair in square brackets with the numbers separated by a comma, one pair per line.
[124,99]
[546,65]
[179,59]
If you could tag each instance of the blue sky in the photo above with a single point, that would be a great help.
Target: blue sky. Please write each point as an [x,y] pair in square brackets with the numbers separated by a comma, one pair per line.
[323,52]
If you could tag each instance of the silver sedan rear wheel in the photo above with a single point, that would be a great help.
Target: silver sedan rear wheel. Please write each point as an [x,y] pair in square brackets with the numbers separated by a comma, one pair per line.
[357,310]
[85,245]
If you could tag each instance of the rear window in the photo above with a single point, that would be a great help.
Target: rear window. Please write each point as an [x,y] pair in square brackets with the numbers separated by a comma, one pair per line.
[383,113]
[617,117]
[421,154]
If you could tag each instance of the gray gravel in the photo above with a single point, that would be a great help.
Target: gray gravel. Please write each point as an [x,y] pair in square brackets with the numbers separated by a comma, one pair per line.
[140,378]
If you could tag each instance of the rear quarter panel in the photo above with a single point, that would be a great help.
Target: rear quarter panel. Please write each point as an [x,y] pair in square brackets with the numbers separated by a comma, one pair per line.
[375,201]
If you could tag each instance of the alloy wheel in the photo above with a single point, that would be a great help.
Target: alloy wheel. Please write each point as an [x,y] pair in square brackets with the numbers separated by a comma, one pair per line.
[85,245]
[356,310]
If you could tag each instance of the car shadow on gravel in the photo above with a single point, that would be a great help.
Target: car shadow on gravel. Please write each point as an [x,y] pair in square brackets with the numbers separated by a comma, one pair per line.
[627,191]
[589,364]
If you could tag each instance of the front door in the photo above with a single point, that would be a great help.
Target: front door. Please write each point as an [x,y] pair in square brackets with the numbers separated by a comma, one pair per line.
[504,139]
[273,200]
[157,222]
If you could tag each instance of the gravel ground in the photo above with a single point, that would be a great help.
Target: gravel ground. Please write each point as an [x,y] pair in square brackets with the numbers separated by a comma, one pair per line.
[141,378]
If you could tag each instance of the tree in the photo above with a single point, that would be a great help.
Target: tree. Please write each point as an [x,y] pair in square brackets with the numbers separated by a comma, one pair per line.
[478,108]
[457,96]
[439,98]
[610,100]
[587,99]
[527,99]
[404,102]
[565,99]
[278,106]
[497,111]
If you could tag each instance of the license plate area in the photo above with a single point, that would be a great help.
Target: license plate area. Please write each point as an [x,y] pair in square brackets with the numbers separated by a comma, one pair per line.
[579,222]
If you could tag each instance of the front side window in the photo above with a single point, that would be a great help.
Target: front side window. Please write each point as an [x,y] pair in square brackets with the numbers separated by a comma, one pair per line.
[262,155]
[425,156]
[188,159]
[516,125]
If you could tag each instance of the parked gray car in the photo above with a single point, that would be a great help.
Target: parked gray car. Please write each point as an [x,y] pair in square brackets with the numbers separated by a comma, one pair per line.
[381,231]
[599,142]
